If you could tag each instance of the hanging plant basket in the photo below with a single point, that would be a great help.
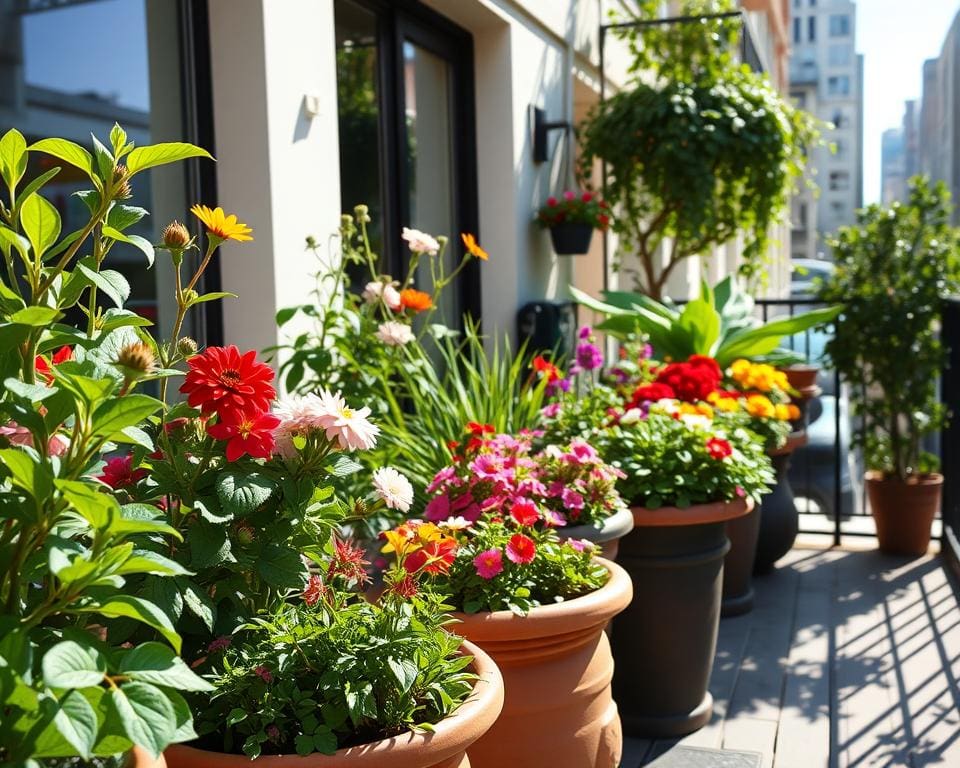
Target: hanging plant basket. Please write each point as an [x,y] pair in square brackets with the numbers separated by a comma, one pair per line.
[571,239]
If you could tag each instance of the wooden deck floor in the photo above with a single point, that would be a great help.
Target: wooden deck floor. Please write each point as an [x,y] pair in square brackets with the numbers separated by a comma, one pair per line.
[849,659]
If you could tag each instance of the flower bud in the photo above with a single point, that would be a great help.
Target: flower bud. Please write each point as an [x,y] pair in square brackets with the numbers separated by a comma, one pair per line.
[136,360]
[187,347]
[311,242]
[121,185]
[176,236]
[245,533]
[362,212]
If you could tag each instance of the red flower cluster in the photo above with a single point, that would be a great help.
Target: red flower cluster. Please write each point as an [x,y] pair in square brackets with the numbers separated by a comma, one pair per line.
[647,393]
[119,472]
[237,389]
[693,380]
[43,368]
[718,448]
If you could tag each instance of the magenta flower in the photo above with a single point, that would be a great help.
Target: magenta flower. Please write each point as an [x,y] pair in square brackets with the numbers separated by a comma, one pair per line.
[263,673]
[572,499]
[589,357]
[488,563]
[554,519]
[585,333]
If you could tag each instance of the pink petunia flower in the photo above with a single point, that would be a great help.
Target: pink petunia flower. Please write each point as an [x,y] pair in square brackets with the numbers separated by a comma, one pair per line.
[488,563]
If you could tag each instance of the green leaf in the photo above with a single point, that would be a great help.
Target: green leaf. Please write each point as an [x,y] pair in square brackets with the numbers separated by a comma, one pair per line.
[145,714]
[122,216]
[10,239]
[120,318]
[344,466]
[145,561]
[28,473]
[119,413]
[118,139]
[243,492]
[753,342]
[41,223]
[200,604]
[37,184]
[184,717]
[67,151]
[32,392]
[281,566]
[156,663]
[104,160]
[135,240]
[213,297]
[13,157]
[135,436]
[209,545]
[109,281]
[35,317]
[702,324]
[98,509]
[77,722]
[137,608]
[160,154]
[71,665]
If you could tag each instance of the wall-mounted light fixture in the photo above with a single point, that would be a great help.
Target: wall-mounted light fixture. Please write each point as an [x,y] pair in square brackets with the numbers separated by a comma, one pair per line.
[541,129]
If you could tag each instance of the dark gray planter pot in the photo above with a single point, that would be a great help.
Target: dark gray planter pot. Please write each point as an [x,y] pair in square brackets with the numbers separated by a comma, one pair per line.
[738,564]
[607,534]
[664,643]
[571,239]
[779,518]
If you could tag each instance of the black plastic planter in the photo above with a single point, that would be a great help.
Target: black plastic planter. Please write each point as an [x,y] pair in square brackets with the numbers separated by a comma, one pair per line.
[664,643]
[738,564]
[571,239]
[779,518]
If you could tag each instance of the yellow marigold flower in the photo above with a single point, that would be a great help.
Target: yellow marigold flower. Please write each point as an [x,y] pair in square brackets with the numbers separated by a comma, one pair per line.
[428,532]
[705,410]
[760,407]
[222,226]
[780,380]
[740,370]
[793,412]
[473,247]
[783,412]
[727,404]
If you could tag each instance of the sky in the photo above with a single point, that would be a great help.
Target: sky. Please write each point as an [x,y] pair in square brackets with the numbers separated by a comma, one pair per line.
[895,37]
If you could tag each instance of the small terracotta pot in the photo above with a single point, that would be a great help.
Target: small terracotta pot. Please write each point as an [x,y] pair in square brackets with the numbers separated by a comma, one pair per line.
[903,511]
[803,378]
[556,666]
[665,641]
[445,747]
[138,757]
[607,534]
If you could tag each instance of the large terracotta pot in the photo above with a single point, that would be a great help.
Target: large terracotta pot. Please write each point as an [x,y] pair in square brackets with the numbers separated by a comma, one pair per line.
[904,512]
[779,516]
[803,378]
[665,641]
[556,664]
[607,534]
[445,747]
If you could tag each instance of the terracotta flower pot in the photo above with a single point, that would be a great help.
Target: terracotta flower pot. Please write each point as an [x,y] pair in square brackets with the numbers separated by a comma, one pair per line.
[779,517]
[903,511]
[571,239]
[803,378]
[138,757]
[607,534]
[556,664]
[664,642]
[445,747]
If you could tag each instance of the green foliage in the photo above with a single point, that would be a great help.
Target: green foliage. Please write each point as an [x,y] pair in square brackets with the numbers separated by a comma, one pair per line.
[667,462]
[697,147]
[71,555]
[332,675]
[893,269]
[720,324]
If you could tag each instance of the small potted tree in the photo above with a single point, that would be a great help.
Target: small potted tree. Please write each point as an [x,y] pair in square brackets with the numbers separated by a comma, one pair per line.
[571,220]
[893,269]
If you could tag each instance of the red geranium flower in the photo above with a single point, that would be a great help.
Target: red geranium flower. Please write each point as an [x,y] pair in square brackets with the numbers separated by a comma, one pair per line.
[221,379]
[718,448]
[524,512]
[693,380]
[480,429]
[119,472]
[245,433]
[43,367]
[521,549]
[646,393]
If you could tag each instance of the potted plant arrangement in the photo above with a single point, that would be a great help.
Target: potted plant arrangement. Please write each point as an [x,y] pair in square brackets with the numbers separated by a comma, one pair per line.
[571,219]
[537,604]
[893,269]
[697,148]
[686,476]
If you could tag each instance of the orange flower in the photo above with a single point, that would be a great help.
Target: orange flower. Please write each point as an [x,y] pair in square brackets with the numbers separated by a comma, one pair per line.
[220,225]
[473,247]
[418,301]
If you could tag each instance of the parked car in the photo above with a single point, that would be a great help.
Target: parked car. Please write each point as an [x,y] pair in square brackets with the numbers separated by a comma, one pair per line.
[806,273]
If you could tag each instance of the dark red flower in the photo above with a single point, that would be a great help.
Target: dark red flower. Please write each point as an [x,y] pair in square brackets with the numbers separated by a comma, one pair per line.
[119,472]
[42,367]
[551,201]
[221,380]
[263,673]
[245,434]
[693,380]
[543,366]
[646,393]
[480,429]
[405,587]
[521,549]
[586,197]
[315,590]
[348,562]
[719,448]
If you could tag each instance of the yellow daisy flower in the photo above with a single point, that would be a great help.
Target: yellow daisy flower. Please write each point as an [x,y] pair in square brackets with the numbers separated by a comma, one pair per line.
[220,225]
[473,247]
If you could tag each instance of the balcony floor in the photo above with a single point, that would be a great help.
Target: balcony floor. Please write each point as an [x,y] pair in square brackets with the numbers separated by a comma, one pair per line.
[849,659]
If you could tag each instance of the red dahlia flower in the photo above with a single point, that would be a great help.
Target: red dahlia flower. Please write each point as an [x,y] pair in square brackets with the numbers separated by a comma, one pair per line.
[646,393]
[718,448]
[693,380]
[245,433]
[119,472]
[521,549]
[221,380]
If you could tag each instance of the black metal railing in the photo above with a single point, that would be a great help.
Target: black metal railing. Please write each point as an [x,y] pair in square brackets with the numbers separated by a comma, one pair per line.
[950,436]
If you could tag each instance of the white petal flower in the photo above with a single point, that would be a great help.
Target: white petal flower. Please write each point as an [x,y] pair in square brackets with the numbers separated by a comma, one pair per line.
[394,334]
[393,488]
[350,428]
[421,242]
[376,290]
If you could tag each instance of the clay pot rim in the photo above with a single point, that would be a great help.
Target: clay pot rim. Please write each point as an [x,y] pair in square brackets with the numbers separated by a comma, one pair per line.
[916,481]
[594,609]
[696,514]
[615,526]
[452,735]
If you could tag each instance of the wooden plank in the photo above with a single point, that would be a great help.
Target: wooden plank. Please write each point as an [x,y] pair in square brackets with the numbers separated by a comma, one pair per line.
[753,735]
[803,736]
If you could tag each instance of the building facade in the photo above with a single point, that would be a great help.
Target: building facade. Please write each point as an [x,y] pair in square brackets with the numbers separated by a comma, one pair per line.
[893,179]
[420,109]
[826,78]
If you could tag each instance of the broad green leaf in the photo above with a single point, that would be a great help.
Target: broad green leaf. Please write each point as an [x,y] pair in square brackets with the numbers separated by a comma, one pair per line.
[11,335]
[37,184]
[139,609]
[243,492]
[13,157]
[120,318]
[122,216]
[32,392]
[104,160]
[118,139]
[213,297]
[145,561]
[209,545]
[67,151]
[41,223]
[135,436]
[146,715]
[71,665]
[344,466]
[183,715]
[27,473]
[10,239]
[118,413]
[199,604]
[98,509]
[754,342]
[281,567]
[111,282]
[595,304]
[701,323]
[77,723]
[156,663]
[35,317]
[135,240]
[160,154]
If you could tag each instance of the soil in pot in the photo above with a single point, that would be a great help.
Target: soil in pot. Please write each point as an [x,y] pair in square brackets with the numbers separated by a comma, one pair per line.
[571,239]
[664,643]
[557,667]
[444,747]
[904,511]
[607,535]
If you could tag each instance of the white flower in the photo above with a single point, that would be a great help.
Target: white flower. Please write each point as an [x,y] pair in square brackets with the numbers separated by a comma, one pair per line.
[394,334]
[349,427]
[376,290]
[458,523]
[421,242]
[632,416]
[393,488]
